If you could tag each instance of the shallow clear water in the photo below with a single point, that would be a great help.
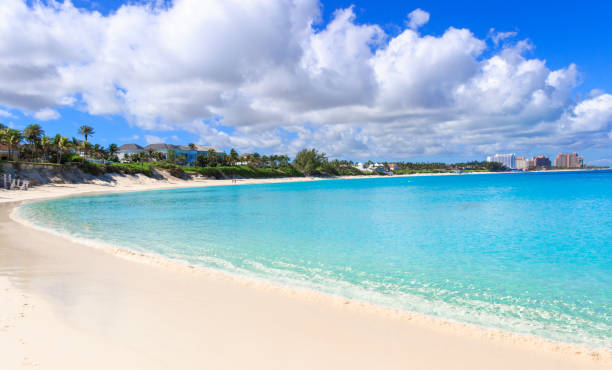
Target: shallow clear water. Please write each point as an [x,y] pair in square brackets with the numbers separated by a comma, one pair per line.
[529,253]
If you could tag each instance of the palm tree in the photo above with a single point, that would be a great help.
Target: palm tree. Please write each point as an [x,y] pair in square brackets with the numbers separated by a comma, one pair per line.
[171,155]
[254,159]
[86,132]
[12,138]
[62,144]
[233,157]
[142,157]
[45,143]
[32,134]
[212,158]
[192,146]
[151,154]
[3,130]
[113,149]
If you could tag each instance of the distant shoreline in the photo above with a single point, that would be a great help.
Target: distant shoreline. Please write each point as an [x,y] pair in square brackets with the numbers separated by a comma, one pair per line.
[125,183]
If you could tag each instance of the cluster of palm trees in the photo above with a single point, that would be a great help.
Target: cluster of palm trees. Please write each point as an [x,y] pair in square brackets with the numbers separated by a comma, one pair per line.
[146,156]
[257,160]
[33,145]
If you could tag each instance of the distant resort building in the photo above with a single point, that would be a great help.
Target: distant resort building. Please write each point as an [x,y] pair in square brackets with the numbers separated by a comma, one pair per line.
[569,160]
[541,161]
[190,153]
[522,164]
[393,166]
[508,160]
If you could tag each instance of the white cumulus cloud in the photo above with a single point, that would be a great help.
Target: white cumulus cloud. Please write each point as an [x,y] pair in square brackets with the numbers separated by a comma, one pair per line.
[47,114]
[268,75]
[417,18]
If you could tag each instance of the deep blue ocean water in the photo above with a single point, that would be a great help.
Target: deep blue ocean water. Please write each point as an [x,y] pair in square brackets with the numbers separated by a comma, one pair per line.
[528,253]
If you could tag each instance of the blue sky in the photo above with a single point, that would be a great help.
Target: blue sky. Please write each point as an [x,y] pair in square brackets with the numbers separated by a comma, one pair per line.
[329,103]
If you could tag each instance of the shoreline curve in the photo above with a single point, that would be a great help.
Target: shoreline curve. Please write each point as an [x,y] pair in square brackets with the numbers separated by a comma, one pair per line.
[310,294]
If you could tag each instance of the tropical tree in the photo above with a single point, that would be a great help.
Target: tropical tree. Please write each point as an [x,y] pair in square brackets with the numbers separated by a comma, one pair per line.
[141,157]
[62,143]
[201,160]
[12,139]
[254,160]
[212,158]
[33,133]
[308,161]
[192,146]
[233,157]
[45,144]
[112,150]
[171,155]
[86,132]
[2,134]
[284,160]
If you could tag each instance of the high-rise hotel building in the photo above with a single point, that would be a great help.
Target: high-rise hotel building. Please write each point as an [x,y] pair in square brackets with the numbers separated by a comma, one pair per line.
[522,164]
[569,160]
[508,160]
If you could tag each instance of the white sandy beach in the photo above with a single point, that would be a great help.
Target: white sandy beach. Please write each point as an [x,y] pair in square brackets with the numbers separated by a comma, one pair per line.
[68,306]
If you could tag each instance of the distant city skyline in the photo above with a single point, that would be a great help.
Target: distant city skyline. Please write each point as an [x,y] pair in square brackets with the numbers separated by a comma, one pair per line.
[561,160]
[342,77]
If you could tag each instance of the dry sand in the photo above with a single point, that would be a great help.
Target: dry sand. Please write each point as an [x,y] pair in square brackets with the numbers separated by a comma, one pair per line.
[67,306]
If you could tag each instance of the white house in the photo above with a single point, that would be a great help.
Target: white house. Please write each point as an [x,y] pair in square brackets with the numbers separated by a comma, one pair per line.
[128,149]
[361,167]
[162,148]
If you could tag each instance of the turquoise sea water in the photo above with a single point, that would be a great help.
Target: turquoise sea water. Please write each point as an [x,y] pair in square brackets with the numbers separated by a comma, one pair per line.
[528,253]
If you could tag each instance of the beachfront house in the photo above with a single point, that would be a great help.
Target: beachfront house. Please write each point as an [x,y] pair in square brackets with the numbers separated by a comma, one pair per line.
[161,148]
[361,167]
[191,152]
[4,153]
[128,149]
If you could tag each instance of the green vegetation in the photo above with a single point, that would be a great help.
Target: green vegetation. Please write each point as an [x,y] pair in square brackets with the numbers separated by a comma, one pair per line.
[32,146]
[309,161]
[480,166]
[221,172]
[312,162]
[407,168]
[415,171]
[98,169]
